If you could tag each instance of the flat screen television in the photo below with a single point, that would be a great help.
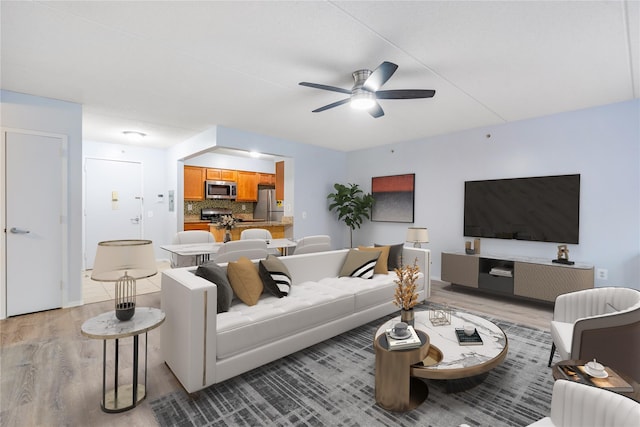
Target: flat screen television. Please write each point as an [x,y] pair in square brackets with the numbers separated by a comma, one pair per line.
[544,209]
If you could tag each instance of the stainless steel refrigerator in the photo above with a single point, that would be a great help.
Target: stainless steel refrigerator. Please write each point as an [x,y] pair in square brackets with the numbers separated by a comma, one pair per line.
[266,208]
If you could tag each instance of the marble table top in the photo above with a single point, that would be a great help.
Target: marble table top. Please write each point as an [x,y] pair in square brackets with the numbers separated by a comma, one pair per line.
[458,361]
[107,326]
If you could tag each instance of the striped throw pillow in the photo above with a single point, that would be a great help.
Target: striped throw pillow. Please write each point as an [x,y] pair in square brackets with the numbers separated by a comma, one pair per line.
[359,264]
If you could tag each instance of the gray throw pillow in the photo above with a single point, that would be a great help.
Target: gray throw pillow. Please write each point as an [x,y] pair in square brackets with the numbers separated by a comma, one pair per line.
[359,264]
[216,274]
[395,256]
[275,276]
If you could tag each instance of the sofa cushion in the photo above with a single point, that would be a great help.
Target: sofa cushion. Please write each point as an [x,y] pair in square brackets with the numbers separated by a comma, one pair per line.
[394,259]
[275,276]
[245,280]
[308,305]
[359,264]
[382,263]
[216,274]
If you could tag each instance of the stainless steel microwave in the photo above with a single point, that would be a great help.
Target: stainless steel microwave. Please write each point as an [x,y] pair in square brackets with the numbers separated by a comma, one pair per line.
[220,190]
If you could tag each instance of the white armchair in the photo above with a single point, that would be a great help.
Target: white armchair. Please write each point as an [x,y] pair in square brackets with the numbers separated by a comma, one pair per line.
[601,323]
[581,405]
[311,244]
[234,250]
[185,237]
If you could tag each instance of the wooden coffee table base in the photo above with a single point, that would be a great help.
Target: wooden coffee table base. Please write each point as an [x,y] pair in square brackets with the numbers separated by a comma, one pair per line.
[396,390]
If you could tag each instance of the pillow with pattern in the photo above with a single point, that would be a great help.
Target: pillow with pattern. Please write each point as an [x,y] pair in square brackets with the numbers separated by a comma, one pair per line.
[359,264]
[275,276]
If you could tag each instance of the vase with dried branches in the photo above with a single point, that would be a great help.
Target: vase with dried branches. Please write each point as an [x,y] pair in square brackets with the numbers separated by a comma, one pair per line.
[406,296]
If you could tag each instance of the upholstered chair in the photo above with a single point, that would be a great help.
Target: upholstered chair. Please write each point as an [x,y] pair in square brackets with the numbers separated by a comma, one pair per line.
[185,237]
[310,244]
[574,404]
[601,323]
[259,233]
[235,249]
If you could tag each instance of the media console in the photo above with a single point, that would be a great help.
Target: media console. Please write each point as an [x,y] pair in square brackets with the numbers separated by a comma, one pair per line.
[525,277]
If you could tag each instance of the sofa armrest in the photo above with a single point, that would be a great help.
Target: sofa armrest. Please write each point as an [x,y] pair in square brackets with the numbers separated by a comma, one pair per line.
[423,258]
[188,336]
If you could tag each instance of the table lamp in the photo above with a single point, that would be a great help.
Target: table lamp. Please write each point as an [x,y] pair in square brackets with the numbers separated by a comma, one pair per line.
[124,261]
[417,235]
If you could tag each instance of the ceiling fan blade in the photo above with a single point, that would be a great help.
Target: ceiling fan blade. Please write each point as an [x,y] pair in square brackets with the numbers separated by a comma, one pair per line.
[335,104]
[376,111]
[405,94]
[325,87]
[379,76]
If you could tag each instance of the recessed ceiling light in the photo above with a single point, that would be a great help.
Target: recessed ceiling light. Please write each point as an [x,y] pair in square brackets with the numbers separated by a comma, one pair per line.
[134,136]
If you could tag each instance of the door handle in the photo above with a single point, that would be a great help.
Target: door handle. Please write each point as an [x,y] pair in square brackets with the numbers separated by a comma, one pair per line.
[135,220]
[16,230]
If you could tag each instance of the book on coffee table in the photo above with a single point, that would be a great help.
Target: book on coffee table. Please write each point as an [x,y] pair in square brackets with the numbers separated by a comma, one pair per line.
[412,341]
[464,339]
[613,381]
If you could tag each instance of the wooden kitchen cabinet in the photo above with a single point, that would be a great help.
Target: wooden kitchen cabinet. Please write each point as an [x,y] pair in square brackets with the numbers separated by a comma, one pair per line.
[280,180]
[204,225]
[247,187]
[194,183]
[267,179]
[222,175]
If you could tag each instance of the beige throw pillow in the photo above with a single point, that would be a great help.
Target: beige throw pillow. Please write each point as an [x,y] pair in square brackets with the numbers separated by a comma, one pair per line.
[245,280]
[382,264]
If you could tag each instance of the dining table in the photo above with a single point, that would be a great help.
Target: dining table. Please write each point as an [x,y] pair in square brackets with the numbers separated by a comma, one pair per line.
[204,251]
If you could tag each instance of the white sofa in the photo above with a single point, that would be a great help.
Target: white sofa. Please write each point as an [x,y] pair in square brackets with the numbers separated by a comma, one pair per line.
[204,348]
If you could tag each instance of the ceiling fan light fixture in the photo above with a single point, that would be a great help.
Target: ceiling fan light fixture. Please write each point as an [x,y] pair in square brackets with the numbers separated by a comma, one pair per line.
[362,100]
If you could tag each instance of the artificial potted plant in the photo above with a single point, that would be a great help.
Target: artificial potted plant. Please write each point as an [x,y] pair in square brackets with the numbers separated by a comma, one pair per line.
[227,222]
[406,296]
[352,205]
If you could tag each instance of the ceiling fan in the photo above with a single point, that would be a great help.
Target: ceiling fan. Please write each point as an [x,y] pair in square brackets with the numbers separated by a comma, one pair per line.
[365,91]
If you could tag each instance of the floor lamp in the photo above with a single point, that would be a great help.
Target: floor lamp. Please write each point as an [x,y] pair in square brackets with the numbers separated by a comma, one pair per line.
[123,262]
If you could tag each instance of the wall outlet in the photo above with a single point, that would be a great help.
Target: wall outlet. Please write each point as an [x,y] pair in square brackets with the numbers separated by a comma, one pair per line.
[244,207]
[189,207]
[602,274]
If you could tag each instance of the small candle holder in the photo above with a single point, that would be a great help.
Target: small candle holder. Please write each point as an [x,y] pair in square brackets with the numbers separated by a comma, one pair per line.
[440,316]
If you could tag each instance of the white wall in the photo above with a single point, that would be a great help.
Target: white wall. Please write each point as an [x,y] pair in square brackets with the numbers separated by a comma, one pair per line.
[27,112]
[602,144]
[154,183]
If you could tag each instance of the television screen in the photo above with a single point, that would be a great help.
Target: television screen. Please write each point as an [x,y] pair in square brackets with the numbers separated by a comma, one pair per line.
[544,209]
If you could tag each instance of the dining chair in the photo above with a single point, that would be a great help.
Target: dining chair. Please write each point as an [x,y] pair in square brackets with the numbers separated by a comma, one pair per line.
[259,233]
[310,244]
[185,237]
[235,249]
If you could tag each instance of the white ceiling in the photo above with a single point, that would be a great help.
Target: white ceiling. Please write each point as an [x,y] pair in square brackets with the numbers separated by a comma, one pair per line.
[175,69]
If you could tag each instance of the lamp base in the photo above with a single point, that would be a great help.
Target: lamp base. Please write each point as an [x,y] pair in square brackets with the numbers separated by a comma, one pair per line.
[125,310]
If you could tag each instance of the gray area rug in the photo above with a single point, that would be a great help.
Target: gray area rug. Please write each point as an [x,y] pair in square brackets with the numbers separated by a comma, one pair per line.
[332,384]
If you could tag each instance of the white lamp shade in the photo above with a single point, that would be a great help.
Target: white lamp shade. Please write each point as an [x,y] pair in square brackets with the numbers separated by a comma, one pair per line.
[115,257]
[417,235]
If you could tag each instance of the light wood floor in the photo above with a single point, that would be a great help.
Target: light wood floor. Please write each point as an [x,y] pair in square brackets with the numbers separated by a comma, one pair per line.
[50,375]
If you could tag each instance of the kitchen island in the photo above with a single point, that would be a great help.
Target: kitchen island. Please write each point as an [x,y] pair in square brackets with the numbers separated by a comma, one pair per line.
[278,230]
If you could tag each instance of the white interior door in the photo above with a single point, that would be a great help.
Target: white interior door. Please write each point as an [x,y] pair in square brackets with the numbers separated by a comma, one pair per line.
[35,222]
[113,203]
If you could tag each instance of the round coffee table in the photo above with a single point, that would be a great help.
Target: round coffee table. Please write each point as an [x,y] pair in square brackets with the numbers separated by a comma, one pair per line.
[448,360]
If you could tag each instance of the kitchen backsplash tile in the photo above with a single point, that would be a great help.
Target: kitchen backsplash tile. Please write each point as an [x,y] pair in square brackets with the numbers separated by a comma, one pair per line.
[236,207]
